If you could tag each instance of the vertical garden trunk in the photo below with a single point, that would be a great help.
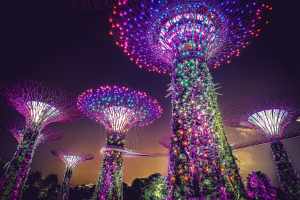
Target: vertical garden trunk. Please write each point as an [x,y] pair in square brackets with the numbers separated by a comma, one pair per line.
[110,183]
[201,165]
[65,188]
[288,178]
[18,169]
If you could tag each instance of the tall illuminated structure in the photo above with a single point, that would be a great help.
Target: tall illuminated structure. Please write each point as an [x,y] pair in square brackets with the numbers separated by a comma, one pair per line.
[40,106]
[47,135]
[118,109]
[272,123]
[187,38]
[71,161]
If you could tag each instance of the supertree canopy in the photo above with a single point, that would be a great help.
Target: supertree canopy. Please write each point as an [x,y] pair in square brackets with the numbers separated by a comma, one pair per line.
[272,123]
[40,106]
[186,38]
[118,109]
[259,187]
[71,161]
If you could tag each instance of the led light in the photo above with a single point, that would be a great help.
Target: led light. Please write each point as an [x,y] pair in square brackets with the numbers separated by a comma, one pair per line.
[119,108]
[71,160]
[119,118]
[39,104]
[270,121]
[40,112]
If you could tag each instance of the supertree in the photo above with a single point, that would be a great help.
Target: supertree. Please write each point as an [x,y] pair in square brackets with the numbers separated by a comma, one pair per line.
[40,106]
[71,161]
[47,135]
[259,187]
[118,109]
[272,123]
[186,38]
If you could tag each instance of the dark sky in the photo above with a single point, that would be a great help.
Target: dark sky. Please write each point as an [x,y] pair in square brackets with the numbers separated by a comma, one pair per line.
[69,48]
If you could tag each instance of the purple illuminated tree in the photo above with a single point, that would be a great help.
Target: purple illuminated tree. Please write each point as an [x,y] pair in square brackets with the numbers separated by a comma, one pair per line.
[118,109]
[187,38]
[71,161]
[272,123]
[40,106]
[47,135]
[259,187]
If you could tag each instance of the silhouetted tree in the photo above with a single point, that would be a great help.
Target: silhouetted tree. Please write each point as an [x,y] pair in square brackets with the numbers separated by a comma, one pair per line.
[50,187]
[32,187]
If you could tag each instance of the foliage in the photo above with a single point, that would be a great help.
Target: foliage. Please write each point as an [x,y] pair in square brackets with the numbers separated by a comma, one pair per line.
[259,187]
[156,189]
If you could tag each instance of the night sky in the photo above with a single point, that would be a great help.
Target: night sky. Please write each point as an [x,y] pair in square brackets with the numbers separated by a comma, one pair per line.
[67,46]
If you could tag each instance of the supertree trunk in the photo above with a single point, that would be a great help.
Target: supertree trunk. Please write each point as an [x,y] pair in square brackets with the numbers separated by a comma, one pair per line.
[18,169]
[289,179]
[65,188]
[110,182]
[202,165]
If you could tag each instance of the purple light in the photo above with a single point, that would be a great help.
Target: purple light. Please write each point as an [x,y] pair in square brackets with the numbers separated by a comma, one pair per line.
[72,160]
[154,33]
[119,108]
[39,104]
[186,38]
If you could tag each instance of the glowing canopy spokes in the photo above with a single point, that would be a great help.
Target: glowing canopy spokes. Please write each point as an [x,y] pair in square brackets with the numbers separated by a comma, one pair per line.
[119,108]
[72,160]
[119,119]
[271,122]
[39,104]
[41,112]
[152,33]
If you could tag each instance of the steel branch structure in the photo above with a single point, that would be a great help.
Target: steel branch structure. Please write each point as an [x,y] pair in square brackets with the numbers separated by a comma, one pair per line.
[71,161]
[118,109]
[187,38]
[272,123]
[40,106]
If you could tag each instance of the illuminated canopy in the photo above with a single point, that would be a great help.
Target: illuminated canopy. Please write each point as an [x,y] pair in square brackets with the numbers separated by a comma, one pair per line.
[39,104]
[271,122]
[119,108]
[71,160]
[153,33]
